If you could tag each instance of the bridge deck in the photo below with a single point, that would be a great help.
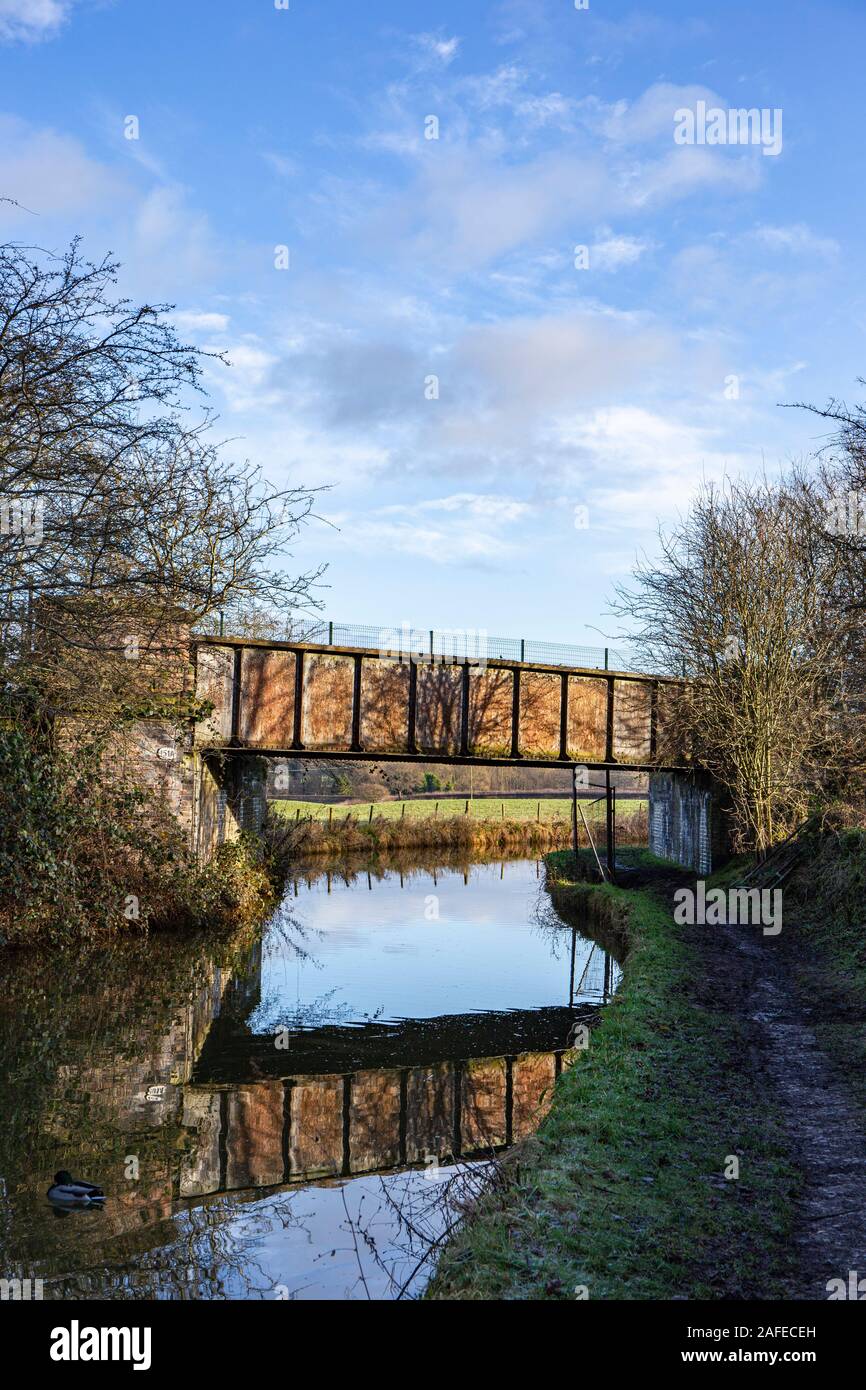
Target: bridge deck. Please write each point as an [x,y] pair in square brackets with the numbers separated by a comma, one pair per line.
[284,699]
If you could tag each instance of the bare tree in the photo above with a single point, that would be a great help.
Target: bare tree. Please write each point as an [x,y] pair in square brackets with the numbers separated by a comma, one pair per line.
[743,599]
[120,516]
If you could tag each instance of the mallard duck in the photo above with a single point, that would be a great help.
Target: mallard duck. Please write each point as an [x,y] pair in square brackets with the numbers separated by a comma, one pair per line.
[71,1192]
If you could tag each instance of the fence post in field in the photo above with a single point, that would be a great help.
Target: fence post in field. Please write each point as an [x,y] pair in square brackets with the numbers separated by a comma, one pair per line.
[370,817]
[297,813]
[436,809]
[538,813]
[330,814]
[502,808]
[402,810]
[466,812]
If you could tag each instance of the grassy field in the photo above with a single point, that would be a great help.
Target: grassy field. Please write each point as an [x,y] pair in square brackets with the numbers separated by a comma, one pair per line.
[486,808]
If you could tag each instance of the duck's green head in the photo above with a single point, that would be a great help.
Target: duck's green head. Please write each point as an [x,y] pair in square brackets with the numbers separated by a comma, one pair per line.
[62,1176]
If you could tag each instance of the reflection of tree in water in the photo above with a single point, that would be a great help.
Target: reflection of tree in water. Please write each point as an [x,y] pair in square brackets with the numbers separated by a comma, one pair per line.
[286,936]
[285,931]
[391,1232]
[319,1013]
[420,1211]
[598,972]
[213,1255]
[549,926]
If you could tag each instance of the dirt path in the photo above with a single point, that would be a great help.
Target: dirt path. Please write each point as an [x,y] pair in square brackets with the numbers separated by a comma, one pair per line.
[753,978]
[765,1042]
[749,976]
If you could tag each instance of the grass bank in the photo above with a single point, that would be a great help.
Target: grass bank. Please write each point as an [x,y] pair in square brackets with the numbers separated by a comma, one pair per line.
[298,841]
[622,1192]
[294,834]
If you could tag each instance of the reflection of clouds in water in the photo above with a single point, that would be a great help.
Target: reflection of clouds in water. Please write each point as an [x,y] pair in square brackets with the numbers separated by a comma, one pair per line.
[212,1255]
[382,952]
[370,1238]
[288,939]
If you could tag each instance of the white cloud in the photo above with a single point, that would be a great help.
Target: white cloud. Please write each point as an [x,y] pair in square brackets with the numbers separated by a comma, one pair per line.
[766,269]
[690,168]
[281,164]
[650,117]
[32,20]
[490,507]
[477,198]
[798,239]
[646,465]
[498,88]
[553,109]
[467,210]
[526,366]
[460,529]
[612,252]
[246,381]
[48,172]
[441,50]
[499,382]
[199,321]
[173,242]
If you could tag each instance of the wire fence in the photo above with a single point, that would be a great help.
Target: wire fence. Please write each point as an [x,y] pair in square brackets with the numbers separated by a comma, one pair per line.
[631,825]
[443,644]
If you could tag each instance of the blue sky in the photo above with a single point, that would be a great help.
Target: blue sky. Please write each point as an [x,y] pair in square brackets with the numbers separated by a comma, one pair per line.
[608,387]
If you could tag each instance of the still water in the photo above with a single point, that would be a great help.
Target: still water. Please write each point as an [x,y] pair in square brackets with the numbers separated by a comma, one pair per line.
[300,1114]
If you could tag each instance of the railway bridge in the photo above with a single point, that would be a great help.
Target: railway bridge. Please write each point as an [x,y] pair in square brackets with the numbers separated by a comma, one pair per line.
[280,700]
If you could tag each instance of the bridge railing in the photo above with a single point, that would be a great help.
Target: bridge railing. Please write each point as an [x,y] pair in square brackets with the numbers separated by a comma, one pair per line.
[440,642]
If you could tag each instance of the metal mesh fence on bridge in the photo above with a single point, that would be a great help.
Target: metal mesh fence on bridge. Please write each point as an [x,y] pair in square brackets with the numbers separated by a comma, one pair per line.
[474,644]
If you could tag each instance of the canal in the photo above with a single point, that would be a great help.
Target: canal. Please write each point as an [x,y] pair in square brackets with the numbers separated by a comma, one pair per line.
[302,1113]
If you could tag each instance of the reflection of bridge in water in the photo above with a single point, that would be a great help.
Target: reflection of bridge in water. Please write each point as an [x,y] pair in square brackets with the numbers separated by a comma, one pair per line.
[317,1103]
[175,1074]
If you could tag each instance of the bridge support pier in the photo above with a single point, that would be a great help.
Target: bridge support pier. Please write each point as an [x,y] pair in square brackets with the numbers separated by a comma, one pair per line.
[211,796]
[687,822]
[229,796]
